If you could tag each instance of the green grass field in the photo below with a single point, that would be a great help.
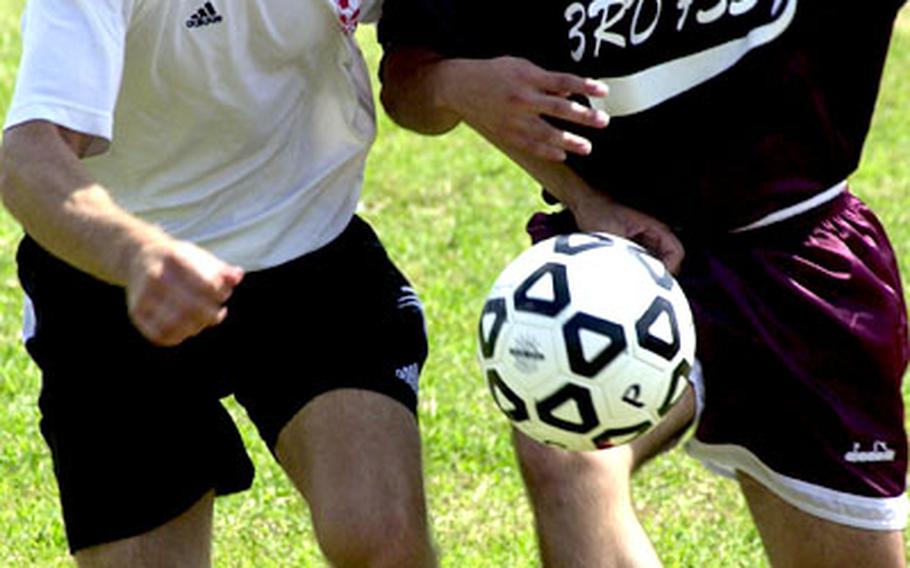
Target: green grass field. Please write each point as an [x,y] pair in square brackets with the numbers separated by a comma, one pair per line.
[450,210]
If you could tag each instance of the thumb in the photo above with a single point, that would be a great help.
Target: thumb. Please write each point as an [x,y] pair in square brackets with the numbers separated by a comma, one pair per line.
[229,277]
[233,275]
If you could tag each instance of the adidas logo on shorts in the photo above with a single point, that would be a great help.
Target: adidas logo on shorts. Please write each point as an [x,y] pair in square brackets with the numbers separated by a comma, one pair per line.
[410,374]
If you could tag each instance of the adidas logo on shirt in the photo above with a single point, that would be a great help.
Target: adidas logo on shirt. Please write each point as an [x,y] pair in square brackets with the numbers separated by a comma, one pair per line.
[204,16]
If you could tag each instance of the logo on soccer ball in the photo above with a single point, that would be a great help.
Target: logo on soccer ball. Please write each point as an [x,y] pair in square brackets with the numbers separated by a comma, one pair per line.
[586,341]
[526,354]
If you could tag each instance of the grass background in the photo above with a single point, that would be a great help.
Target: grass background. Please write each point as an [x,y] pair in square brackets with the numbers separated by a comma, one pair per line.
[450,212]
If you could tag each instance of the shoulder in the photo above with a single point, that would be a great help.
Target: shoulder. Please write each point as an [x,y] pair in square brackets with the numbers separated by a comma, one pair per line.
[66,17]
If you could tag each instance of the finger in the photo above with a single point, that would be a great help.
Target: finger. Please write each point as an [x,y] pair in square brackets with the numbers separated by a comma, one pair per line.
[200,311]
[672,250]
[544,151]
[595,88]
[542,132]
[172,330]
[158,328]
[663,244]
[226,282]
[169,316]
[202,272]
[673,257]
[571,111]
[210,279]
[234,275]
[568,84]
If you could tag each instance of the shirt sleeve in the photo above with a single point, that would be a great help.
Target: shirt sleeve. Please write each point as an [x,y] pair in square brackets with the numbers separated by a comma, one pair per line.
[419,23]
[71,65]
[370,11]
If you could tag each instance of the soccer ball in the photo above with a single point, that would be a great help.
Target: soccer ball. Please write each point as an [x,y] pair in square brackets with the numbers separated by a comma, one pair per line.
[586,341]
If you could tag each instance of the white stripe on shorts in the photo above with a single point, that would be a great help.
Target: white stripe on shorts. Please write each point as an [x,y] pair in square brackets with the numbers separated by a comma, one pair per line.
[28,318]
[870,513]
[795,209]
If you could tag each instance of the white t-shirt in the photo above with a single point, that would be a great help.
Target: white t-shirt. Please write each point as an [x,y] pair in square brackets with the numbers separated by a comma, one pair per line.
[240,125]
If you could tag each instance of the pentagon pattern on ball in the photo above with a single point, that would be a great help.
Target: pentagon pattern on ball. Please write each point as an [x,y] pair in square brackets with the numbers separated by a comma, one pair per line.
[509,403]
[657,329]
[673,391]
[592,343]
[570,408]
[581,242]
[614,436]
[655,268]
[545,291]
[491,320]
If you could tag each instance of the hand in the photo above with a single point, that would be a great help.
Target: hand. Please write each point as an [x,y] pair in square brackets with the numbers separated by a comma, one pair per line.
[506,98]
[175,290]
[600,213]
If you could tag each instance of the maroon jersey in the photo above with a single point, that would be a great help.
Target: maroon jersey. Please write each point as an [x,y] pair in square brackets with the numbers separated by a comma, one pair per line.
[722,110]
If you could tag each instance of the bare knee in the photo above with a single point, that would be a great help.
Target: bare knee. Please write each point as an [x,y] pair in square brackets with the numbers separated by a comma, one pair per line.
[582,506]
[548,470]
[667,433]
[548,467]
[355,457]
[387,537]
[182,541]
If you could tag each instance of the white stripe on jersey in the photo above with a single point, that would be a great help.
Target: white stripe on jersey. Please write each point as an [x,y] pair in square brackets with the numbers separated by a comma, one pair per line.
[650,87]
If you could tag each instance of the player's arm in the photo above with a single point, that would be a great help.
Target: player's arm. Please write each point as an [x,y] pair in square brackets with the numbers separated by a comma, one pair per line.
[47,189]
[595,210]
[174,289]
[505,99]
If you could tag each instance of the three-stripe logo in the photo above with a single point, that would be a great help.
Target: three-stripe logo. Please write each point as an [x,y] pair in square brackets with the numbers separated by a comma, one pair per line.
[205,16]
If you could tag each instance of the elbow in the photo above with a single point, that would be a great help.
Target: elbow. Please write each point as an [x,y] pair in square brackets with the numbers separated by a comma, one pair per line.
[410,117]
[6,179]
[406,93]
[391,105]
[13,167]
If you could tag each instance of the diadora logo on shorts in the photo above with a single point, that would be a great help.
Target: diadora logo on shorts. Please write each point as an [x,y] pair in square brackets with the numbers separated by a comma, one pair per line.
[880,452]
[205,16]
[410,374]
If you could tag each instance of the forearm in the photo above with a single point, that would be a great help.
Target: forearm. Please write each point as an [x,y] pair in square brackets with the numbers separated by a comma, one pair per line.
[562,183]
[49,191]
[595,211]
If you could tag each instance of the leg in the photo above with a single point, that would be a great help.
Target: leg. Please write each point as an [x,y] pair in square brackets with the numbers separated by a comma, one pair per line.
[582,500]
[185,541]
[795,538]
[355,457]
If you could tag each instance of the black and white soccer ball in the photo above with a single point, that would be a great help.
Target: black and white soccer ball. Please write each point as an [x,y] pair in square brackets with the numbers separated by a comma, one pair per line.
[586,341]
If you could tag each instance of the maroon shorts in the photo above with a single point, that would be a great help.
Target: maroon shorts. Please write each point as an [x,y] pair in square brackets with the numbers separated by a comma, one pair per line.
[803,344]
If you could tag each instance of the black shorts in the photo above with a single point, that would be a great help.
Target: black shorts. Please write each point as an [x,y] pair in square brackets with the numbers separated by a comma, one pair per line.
[138,433]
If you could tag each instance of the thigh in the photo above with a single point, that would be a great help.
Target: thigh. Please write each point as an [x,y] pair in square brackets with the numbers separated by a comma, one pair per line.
[354,453]
[355,457]
[136,433]
[343,317]
[795,538]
